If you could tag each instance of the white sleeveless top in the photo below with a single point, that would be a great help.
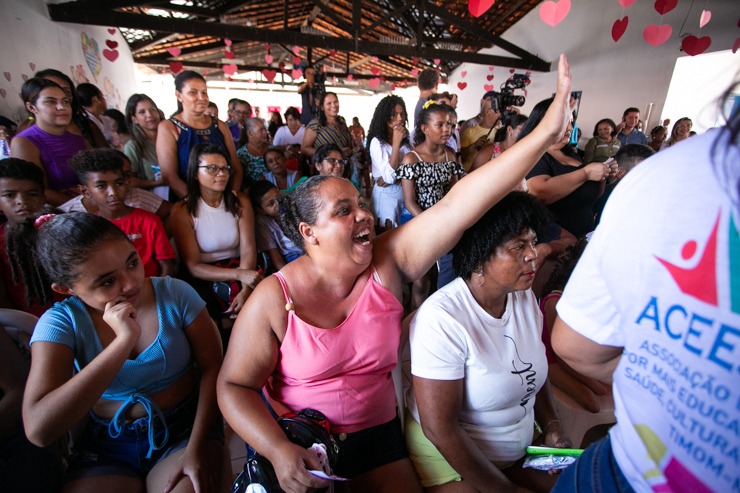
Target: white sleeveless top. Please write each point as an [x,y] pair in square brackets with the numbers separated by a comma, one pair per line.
[217,232]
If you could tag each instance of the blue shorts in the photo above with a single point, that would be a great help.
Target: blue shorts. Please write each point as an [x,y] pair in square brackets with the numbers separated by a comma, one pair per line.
[595,471]
[96,453]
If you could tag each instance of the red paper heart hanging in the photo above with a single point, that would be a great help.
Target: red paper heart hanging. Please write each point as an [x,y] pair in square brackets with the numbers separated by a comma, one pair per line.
[374,59]
[111,31]
[373,83]
[110,55]
[479,7]
[174,51]
[350,77]
[229,69]
[296,60]
[111,44]
[436,61]
[489,77]
[268,59]
[665,6]
[375,70]
[462,85]
[511,70]
[415,61]
[657,35]
[227,42]
[626,3]
[176,67]
[296,50]
[332,52]
[296,73]
[269,75]
[553,13]
[488,87]
[695,46]
[463,74]
[414,71]
[736,45]
[490,68]
[229,55]
[619,27]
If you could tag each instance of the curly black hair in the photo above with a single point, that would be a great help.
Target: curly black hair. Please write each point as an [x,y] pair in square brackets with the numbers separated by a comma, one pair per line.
[512,215]
[95,161]
[384,114]
[20,169]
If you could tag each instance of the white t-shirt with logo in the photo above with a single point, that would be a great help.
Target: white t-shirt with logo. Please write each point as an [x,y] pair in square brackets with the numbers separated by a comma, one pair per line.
[501,359]
[661,278]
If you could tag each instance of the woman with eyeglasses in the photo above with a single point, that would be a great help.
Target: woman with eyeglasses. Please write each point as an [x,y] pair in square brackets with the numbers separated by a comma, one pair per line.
[213,228]
[329,160]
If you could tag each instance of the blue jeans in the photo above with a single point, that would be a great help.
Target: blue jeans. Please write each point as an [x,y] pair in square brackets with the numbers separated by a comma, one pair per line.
[596,471]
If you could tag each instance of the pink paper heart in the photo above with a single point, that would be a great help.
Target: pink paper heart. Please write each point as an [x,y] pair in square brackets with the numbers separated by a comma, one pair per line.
[296,60]
[665,6]
[269,75]
[296,50]
[296,73]
[32,66]
[374,59]
[415,71]
[415,61]
[176,67]
[267,46]
[111,44]
[111,31]
[479,7]
[110,55]
[619,27]
[350,77]
[3,93]
[736,45]
[393,87]
[463,73]
[229,54]
[436,61]
[695,46]
[281,66]
[706,16]
[490,68]
[626,3]
[373,83]
[657,35]
[489,77]
[228,42]
[24,77]
[488,87]
[462,85]
[229,69]
[7,76]
[174,51]
[268,59]
[553,13]
[375,70]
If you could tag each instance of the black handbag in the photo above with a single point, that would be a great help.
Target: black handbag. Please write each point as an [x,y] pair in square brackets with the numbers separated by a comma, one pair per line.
[303,428]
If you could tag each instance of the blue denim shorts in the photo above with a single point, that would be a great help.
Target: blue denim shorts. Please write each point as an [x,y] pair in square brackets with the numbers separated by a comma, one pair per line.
[596,471]
[96,453]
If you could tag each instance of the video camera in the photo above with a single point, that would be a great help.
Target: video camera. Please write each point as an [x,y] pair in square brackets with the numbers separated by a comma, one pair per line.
[502,100]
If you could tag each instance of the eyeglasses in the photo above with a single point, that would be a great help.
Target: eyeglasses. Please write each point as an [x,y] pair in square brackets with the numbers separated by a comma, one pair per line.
[335,161]
[214,170]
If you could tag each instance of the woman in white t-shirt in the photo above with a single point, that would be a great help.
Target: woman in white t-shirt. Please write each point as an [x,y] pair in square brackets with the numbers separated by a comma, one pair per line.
[478,362]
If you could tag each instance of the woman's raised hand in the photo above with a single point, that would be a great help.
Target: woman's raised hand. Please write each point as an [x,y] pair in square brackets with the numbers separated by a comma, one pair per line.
[559,114]
[399,132]
[121,317]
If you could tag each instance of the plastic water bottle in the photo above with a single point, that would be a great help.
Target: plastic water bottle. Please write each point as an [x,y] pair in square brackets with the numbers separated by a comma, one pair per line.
[4,148]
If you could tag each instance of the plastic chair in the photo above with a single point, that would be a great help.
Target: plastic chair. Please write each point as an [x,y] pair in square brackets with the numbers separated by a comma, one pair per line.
[576,420]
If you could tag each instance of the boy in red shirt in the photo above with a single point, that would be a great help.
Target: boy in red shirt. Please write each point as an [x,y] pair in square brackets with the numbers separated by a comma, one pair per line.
[102,180]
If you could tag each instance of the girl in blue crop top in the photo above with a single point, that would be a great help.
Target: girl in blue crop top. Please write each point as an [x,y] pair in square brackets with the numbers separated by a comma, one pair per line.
[138,356]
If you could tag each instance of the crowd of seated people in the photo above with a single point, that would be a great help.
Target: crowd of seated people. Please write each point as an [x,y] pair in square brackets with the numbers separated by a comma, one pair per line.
[140,293]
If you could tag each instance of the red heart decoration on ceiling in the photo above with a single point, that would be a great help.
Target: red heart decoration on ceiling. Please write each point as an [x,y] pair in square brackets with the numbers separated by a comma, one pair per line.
[111,31]
[414,71]
[296,73]
[227,42]
[626,3]
[373,83]
[267,46]
[665,6]
[511,70]
[436,61]
[553,13]
[111,44]
[488,87]
[296,60]
[176,67]
[415,60]
[332,52]
[375,70]
[462,85]
[268,59]
[463,73]
[24,77]
[296,50]
[269,75]
[490,68]
[350,77]
[479,7]
[281,65]
[174,51]
[374,59]
[695,46]
[229,54]
[489,77]
[657,35]
[110,55]
[3,93]
[229,69]
[736,45]
[619,27]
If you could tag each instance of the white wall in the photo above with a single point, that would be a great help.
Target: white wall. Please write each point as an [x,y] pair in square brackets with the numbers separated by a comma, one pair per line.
[31,42]
[613,76]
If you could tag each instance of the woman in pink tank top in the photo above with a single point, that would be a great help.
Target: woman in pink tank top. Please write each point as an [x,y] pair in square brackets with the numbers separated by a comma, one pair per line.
[324,333]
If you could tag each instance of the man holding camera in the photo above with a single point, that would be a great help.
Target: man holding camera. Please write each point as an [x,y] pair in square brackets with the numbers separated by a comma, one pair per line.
[474,137]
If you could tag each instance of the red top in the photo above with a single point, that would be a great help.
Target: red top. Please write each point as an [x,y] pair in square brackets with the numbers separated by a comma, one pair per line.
[146,232]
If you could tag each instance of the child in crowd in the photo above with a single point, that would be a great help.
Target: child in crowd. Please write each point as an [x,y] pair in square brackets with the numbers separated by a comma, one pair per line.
[270,237]
[104,183]
[21,197]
